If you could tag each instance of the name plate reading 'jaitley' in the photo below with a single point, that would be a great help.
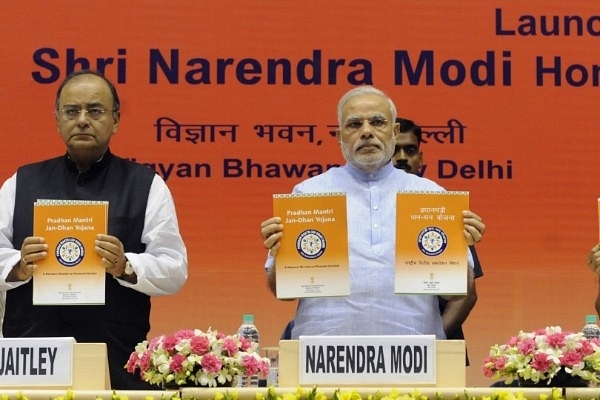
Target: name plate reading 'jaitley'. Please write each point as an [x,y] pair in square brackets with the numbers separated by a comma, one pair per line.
[36,361]
[73,272]
[312,260]
[356,360]
[431,248]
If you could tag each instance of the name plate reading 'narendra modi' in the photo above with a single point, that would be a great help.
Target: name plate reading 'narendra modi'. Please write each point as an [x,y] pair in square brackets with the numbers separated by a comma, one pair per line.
[356,360]
[36,361]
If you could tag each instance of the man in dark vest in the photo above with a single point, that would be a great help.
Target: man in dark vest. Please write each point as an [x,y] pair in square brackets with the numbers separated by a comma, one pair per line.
[143,252]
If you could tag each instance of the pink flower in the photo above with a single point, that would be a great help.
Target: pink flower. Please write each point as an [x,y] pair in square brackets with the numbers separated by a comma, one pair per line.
[245,344]
[571,358]
[211,364]
[527,346]
[500,362]
[251,365]
[145,361]
[513,341]
[230,347]
[488,365]
[199,345]
[541,362]
[132,362]
[177,363]
[155,343]
[263,366]
[586,347]
[488,372]
[184,334]
[556,340]
[170,342]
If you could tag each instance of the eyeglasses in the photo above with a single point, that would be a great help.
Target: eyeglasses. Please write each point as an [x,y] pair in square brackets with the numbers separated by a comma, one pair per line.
[75,112]
[376,122]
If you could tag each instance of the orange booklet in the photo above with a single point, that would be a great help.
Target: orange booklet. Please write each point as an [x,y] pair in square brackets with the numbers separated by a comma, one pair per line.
[431,249]
[73,272]
[598,216]
[313,258]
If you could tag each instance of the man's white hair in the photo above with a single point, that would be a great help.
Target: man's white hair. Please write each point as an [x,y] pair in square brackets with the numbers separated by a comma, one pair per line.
[360,90]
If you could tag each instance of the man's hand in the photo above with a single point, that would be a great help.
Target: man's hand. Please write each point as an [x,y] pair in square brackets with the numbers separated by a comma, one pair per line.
[474,227]
[34,248]
[593,260]
[271,231]
[113,254]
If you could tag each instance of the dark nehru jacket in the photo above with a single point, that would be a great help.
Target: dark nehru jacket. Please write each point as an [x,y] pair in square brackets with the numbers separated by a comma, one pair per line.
[124,320]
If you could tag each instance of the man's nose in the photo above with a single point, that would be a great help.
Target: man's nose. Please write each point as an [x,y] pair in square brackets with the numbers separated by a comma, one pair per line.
[82,118]
[366,129]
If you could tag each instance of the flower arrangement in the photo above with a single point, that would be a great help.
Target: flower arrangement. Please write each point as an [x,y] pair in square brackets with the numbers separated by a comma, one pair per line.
[194,357]
[544,354]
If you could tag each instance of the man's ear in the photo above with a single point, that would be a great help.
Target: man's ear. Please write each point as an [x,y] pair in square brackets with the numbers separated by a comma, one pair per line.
[116,118]
[396,130]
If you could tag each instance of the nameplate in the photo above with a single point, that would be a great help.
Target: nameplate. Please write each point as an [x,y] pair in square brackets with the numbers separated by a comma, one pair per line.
[36,361]
[385,360]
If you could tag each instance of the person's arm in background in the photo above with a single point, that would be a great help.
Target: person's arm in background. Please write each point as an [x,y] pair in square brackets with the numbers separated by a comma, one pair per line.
[457,308]
[455,313]
[593,262]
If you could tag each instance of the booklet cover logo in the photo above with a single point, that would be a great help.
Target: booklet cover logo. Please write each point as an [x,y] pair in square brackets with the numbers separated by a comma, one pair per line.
[69,251]
[311,244]
[432,241]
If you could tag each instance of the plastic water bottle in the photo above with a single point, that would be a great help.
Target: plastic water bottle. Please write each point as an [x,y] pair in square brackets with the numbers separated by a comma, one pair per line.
[591,330]
[250,332]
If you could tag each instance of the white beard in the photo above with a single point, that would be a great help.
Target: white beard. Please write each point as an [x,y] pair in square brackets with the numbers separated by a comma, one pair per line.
[368,162]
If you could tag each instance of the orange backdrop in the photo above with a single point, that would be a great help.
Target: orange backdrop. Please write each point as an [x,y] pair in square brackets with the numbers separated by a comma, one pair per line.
[519,77]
